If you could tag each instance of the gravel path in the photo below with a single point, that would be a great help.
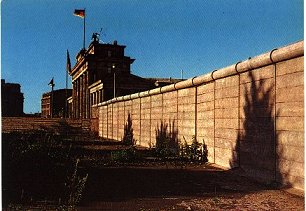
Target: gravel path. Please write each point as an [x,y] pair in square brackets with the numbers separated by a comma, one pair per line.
[263,200]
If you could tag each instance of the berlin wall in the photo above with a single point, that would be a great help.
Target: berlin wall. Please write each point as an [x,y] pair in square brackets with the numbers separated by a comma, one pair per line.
[249,114]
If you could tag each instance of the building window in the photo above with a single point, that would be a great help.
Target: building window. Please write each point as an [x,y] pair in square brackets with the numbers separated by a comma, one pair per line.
[109,53]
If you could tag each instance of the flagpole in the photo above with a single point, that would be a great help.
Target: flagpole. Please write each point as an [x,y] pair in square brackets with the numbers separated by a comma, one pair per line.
[84,30]
[66,93]
[52,102]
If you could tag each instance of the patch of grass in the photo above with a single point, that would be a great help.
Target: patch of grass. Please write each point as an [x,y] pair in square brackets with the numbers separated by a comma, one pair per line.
[125,155]
[34,169]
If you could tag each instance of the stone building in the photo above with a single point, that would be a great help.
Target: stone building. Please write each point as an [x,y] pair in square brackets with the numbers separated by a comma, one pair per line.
[57,108]
[103,72]
[11,99]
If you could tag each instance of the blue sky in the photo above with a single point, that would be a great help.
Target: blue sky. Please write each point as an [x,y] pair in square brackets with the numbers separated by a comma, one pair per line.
[164,36]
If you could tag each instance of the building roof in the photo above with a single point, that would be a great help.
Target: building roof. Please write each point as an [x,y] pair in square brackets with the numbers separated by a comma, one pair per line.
[164,81]
[127,80]
[46,94]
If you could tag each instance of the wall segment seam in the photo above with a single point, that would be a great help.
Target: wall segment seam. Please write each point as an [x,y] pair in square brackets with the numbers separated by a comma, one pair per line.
[271,55]
[140,112]
[239,115]
[214,122]
[196,112]
[274,132]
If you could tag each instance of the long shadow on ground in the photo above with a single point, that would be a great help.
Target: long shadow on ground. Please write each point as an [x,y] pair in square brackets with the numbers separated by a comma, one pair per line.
[128,183]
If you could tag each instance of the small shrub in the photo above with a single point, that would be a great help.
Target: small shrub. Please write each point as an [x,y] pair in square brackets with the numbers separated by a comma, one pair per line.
[126,155]
[184,150]
[74,185]
[36,153]
[195,151]
[33,150]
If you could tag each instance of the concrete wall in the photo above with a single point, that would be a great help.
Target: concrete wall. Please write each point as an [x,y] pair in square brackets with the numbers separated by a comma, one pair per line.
[250,114]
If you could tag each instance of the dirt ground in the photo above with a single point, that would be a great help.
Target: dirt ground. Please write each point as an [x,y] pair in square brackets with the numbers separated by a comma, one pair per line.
[168,187]
[144,184]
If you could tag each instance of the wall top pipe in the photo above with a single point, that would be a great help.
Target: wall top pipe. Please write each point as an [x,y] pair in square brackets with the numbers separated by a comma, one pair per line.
[144,94]
[224,72]
[134,96]
[288,52]
[168,88]
[275,55]
[202,79]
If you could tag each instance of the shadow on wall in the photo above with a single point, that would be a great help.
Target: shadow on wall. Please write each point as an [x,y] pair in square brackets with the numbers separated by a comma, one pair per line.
[167,142]
[128,136]
[257,151]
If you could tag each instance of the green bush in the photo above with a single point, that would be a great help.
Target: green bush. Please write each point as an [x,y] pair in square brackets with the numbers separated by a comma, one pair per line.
[74,185]
[33,150]
[195,151]
[43,155]
[125,155]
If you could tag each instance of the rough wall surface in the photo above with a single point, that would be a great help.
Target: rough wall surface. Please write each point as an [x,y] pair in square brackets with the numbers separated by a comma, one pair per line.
[250,115]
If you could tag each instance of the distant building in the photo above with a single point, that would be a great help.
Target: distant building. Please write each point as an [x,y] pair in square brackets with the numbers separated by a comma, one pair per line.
[11,99]
[160,82]
[103,72]
[57,108]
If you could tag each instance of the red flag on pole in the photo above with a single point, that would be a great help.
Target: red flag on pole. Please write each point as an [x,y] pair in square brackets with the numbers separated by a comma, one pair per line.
[79,13]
